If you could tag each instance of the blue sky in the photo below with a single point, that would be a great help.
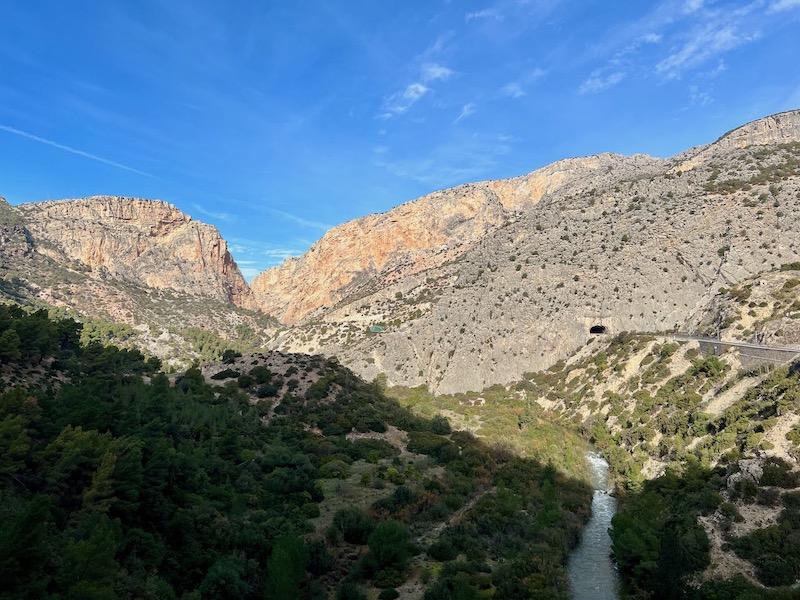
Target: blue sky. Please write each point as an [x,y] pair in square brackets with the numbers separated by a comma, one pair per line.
[277,119]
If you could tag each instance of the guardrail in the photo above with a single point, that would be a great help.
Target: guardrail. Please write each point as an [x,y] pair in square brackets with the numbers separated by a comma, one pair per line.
[754,354]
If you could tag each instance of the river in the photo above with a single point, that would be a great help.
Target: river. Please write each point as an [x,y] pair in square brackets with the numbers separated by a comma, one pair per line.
[591,572]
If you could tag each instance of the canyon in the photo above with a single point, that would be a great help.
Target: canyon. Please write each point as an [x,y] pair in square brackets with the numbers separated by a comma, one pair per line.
[457,290]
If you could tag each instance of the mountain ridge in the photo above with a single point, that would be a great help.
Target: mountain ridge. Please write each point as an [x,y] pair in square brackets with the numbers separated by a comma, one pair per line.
[461,288]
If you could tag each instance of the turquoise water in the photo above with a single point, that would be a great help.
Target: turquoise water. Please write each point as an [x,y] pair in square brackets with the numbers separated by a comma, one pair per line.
[591,572]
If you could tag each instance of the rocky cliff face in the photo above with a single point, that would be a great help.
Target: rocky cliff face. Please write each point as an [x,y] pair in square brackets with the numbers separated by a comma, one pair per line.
[479,284]
[419,235]
[780,128]
[15,238]
[146,242]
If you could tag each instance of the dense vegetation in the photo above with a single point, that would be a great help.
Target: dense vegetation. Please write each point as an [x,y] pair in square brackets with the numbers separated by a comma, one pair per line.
[119,482]
[659,544]
[656,539]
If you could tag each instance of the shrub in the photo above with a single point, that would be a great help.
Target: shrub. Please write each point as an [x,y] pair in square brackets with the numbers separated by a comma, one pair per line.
[443,551]
[350,591]
[774,570]
[779,473]
[261,374]
[746,489]
[389,547]
[335,469]
[729,511]
[226,374]
[355,525]
[440,425]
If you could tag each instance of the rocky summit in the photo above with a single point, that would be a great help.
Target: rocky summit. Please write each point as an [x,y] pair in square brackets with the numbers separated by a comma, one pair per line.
[465,287]
[150,243]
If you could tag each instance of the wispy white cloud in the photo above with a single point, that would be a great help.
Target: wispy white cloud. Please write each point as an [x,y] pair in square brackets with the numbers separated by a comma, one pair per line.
[598,82]
[793,99]
[400,102]
[439,45]
[699,97]
[702,45]
[435,72]
[254,256]
[676,37]
[460,160]
[487,13]
[512,90]
[220,216]
[466,111]
[249,273]
[721,67]
[651,38]
[300,220]
[781,5]
[249,268]
[622,62]
[691,6]
[72,150]
[516,89]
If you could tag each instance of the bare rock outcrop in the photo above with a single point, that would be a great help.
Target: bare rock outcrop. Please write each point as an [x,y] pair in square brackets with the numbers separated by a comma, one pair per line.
[147,242]
[779,128]
[420,235]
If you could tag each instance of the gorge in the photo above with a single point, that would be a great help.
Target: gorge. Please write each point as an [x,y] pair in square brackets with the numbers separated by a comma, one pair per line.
[502,325]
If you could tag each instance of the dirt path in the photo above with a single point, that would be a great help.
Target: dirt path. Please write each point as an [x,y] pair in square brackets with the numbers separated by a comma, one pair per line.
[414,588]
[433,534]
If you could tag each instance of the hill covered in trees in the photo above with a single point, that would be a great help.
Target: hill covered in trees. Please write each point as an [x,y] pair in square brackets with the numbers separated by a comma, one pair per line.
[117,481]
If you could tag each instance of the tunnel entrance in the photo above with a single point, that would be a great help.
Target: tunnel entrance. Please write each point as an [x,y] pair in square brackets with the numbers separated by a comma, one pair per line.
[597,329]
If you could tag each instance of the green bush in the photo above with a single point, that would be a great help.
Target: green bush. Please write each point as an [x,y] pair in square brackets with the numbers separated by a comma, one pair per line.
[440,425]
[226,374]
[442,550]
[774,570]
[354,524]
[779,473]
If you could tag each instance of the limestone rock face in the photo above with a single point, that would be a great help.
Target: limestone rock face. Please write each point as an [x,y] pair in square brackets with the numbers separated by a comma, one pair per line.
[15,238]
[419,235]
[466,287]
[142,241]
[774,129]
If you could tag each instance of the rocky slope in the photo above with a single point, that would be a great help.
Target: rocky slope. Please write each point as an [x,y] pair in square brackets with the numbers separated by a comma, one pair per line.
[763,310]
[420,235]
[143,264]
[148,242]
[633,244]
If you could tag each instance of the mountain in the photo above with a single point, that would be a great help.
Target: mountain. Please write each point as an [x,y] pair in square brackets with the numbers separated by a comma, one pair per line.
[143,264]
[559,295]
[481,283]
[416,236]
[457,290]
[149,243]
